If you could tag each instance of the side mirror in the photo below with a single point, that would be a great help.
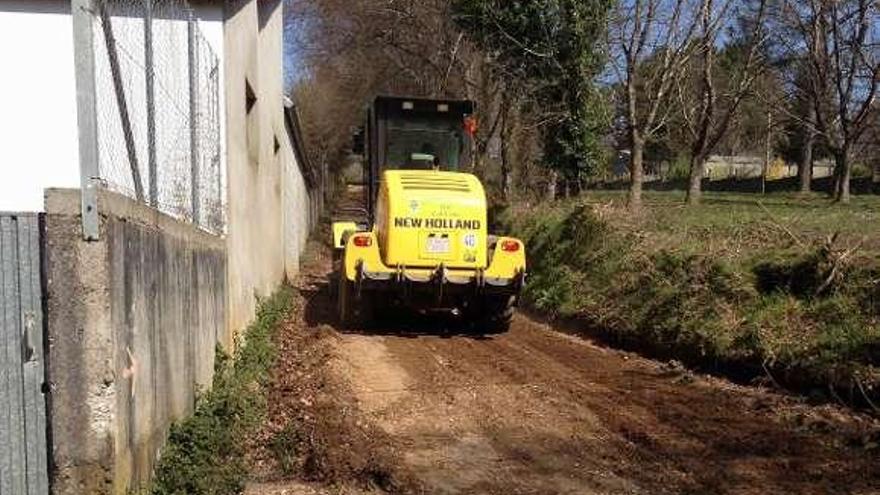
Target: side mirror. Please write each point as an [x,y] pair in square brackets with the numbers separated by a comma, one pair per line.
[357,141]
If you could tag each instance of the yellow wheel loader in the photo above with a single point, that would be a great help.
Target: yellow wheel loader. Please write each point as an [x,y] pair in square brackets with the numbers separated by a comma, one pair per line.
[423,241]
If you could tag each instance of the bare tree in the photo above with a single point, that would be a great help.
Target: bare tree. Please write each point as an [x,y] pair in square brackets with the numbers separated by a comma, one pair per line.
[348,51]
[506,127]
[651,43]
[793,57]
[842,52]
[707,120]
[875,159]
[351,50]
[805,172]
[805,166]
[871,153]
[848,62]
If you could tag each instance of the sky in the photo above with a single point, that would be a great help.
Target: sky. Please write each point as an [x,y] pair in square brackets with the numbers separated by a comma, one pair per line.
[293,32]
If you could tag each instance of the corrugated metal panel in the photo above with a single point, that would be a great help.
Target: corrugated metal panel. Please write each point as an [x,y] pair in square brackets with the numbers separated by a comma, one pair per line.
[23,460]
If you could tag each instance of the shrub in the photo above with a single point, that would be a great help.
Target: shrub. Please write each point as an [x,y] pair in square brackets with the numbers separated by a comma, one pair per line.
[679,169]
[798,275]
[862,171]
[205,452]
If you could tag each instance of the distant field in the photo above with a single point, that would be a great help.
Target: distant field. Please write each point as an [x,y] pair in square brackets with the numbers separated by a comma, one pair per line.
[743,224]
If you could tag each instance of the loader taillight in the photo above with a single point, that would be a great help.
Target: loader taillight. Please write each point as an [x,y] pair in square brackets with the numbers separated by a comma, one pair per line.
[510,246]
[363,241]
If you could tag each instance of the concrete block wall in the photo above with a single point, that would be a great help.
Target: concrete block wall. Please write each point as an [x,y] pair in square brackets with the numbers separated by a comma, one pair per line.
[302,205]
[134,320]
[270,208]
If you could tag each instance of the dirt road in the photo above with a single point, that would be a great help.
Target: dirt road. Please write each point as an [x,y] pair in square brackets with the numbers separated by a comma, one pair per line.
[537,411]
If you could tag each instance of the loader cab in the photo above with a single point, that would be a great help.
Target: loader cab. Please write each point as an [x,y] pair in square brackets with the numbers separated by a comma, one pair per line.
[413,134]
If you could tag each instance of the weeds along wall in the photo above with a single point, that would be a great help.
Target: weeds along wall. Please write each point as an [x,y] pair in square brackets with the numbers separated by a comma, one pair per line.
[134,320]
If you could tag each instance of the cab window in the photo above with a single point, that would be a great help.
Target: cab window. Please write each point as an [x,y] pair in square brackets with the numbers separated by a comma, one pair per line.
[422,143]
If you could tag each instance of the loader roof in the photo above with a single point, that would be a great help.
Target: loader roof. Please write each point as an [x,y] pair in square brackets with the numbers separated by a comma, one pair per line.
[400,105]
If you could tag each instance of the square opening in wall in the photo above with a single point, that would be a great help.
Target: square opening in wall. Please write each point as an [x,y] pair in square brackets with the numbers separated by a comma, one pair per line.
[250,98]
[252,124]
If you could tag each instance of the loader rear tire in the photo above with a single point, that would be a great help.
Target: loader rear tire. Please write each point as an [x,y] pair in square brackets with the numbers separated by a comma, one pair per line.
[494,315]
[345,301]
[337,267]
[353,312]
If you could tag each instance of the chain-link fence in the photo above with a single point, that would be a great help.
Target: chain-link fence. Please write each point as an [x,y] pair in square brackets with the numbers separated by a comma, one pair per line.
[158,108]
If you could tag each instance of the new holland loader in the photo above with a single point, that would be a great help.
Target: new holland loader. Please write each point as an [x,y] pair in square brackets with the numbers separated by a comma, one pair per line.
[423,242]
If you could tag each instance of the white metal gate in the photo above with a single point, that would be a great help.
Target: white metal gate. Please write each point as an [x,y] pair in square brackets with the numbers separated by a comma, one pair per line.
[23,459]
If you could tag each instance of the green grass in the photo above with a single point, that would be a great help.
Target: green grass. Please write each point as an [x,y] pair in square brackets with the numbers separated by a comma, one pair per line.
[204,454]
[737,284]
[747,223]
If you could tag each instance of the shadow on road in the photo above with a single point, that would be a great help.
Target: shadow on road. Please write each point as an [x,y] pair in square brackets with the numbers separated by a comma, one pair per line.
[393,320]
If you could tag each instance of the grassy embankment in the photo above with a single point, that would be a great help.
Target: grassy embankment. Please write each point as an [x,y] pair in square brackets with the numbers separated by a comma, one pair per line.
[776,287]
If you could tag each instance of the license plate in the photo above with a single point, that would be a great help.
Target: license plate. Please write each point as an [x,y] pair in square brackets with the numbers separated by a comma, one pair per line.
[437,245]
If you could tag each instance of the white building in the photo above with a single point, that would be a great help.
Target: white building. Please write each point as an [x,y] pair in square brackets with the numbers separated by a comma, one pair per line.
[265,184]
[38,114]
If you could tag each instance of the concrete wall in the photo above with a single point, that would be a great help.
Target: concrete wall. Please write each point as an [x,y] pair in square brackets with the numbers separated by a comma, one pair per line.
[134,318]
[267,224]
[297,211]
[133,323]
[719,167]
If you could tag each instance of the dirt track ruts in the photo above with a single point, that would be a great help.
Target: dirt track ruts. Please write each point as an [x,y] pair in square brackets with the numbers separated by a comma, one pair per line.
[537,411]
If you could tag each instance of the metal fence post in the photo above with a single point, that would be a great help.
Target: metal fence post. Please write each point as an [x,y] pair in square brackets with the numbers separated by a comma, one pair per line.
[151,102]
[218,146]
[87,118]
[192,42]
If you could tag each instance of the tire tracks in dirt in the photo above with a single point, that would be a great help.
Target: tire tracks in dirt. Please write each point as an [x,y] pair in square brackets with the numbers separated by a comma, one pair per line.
[536,411]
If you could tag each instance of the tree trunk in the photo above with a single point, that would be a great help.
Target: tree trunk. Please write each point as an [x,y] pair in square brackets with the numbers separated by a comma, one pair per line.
[875,180]
[506,182]
[505,152]
[636,142]
[844,196]
[805,167]
[636,169]
[835,183]
[476,159]
[695,190]
[551,185]
[843,167]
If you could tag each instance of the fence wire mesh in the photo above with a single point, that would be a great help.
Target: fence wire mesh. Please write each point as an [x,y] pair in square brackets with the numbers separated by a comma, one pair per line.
[158,109]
